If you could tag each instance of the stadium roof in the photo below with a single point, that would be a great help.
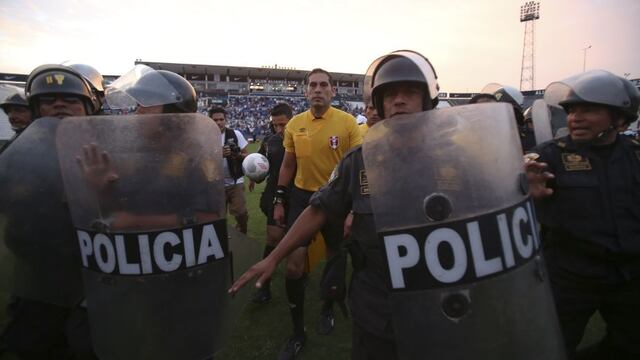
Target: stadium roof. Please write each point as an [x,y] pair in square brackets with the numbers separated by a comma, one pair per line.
[252,72]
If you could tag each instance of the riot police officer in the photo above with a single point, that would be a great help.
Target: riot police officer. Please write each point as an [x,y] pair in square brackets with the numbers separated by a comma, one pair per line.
[513,96]
[46,320]
[405,83]
[17,109]
[590,211]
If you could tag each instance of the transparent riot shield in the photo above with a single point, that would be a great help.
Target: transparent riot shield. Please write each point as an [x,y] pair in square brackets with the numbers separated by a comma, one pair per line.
[38,255]
[541,117]
[146,195]
[450,203]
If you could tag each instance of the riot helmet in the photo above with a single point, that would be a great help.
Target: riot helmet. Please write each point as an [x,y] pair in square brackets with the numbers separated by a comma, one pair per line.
[596,87]
[144,86]
[401,66]
[504,93]
[59,79]
[93,77]
[14,97]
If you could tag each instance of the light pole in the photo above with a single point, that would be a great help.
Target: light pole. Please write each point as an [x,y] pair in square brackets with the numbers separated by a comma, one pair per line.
[584,61]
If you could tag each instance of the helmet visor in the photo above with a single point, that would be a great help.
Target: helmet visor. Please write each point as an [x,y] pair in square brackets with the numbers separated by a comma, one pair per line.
[597,86]
[142,86]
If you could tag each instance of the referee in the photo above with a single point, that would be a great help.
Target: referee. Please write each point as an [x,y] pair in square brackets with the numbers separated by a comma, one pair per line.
[314,143]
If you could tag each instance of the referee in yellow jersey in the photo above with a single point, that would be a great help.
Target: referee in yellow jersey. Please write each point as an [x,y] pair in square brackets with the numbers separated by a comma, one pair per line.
[314,141]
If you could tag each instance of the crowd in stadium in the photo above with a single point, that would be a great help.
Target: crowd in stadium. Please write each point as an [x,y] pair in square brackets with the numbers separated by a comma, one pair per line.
[250,114]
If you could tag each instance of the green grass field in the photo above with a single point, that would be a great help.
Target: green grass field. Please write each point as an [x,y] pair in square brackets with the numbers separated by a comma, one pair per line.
[262,329]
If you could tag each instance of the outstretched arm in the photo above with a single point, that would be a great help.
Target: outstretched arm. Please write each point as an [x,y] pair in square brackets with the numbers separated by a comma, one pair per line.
[308,223]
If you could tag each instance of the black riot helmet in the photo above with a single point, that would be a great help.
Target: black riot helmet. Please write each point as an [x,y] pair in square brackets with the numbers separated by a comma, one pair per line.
[596,87]
[144,86]
[401,66]
[15,97]
[59,79]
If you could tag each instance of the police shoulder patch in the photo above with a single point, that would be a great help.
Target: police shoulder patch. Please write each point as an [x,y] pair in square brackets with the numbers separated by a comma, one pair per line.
[364,182]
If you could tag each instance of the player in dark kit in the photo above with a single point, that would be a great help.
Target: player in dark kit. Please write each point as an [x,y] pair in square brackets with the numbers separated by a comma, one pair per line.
[590,211]
[273,150]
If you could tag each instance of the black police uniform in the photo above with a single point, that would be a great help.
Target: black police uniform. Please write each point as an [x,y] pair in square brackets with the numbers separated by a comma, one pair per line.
[591,233]
[273,150]
[347,190]
[39,233]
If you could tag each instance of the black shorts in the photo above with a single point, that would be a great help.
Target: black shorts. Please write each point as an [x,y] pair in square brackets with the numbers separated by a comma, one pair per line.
[298,201]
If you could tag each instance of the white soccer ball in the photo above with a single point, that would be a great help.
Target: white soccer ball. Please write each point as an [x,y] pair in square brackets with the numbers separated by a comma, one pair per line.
[256,167]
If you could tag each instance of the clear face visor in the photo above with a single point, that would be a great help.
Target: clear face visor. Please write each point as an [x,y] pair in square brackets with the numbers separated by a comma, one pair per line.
[597,86]
[141,86]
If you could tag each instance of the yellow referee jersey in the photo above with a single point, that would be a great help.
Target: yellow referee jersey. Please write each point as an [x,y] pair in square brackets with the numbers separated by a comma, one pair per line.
[319,144]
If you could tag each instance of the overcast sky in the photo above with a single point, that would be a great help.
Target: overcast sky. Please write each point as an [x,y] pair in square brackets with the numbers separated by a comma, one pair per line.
[470,42]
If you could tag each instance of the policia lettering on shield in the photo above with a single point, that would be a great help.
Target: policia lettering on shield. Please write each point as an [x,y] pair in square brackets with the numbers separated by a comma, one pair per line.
[591,213]
[416,292]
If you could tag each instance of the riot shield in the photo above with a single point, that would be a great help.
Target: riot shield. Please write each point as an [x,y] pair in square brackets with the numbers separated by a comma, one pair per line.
[146,196]
[38,257]
[541,117]
[450,204]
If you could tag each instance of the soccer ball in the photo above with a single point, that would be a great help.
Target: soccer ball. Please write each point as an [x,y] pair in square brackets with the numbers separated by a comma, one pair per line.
[256,167]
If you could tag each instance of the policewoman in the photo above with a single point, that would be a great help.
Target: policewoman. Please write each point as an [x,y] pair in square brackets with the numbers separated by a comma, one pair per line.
[591,216]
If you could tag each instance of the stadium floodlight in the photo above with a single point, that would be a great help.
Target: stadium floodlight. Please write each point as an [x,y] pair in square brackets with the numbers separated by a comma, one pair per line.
[584,59]
[529,12]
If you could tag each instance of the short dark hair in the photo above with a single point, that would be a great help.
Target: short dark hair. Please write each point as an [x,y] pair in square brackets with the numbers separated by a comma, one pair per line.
[318,71]
[217,110]
[477,98]
[282,109]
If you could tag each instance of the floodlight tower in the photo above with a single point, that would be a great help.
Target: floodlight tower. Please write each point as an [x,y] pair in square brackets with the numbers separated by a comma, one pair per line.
[529,13]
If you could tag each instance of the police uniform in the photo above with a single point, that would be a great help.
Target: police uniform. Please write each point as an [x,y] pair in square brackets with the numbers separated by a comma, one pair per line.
[39,232]
[273,150]
[348,190]
[591,233]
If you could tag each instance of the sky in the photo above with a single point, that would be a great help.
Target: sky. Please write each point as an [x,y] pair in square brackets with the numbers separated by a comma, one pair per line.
[470,42]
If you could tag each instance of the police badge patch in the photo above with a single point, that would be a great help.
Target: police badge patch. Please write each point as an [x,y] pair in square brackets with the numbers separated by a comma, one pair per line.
[575,162]
[334,142]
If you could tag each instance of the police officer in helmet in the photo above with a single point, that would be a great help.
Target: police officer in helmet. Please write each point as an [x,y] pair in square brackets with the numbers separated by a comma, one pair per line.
[45,316]
[60,91]
[17,109]
[590,211]
[402,82]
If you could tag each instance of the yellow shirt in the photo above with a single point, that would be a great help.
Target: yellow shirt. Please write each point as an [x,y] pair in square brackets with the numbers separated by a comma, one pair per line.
[363,129]
[319,144]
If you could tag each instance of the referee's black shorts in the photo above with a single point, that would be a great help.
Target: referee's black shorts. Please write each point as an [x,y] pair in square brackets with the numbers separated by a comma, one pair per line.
[298,201]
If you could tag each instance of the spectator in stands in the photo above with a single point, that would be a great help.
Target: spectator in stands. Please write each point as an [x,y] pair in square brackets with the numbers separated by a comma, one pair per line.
[234,150]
